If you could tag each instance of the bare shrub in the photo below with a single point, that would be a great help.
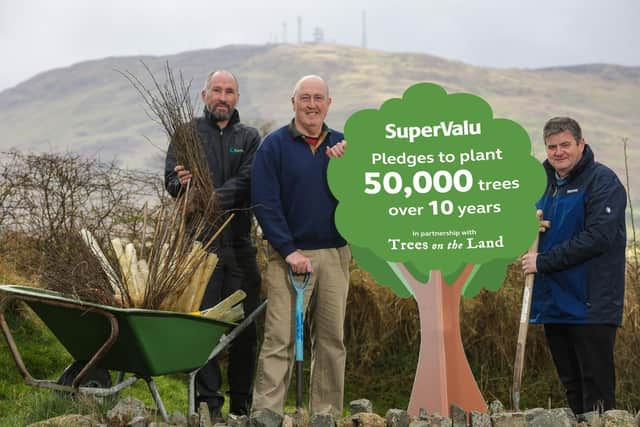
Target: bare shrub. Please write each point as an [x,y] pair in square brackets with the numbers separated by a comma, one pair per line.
[51,196]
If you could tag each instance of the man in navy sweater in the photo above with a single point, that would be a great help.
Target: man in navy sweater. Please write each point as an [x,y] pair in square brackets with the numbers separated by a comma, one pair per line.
[579,288]
[296,212]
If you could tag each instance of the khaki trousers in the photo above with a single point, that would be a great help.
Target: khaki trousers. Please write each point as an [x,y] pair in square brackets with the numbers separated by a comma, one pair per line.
[325,301]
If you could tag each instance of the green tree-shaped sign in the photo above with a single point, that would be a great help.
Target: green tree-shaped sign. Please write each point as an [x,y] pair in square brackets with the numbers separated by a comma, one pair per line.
[434,189]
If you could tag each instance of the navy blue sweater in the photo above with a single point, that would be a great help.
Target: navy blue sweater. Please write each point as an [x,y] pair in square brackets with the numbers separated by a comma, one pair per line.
[290,194]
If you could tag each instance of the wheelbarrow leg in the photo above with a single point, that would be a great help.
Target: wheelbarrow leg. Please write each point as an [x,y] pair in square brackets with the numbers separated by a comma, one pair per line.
[192,392]
[225,340]
[120,377]
[156,396]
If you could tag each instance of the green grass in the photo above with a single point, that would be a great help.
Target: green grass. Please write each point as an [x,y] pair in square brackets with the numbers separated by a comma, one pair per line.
[387,384]
[39,405]
[42,355]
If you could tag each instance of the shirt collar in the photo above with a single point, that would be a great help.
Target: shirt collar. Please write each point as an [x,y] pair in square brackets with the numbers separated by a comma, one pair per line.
[296,133]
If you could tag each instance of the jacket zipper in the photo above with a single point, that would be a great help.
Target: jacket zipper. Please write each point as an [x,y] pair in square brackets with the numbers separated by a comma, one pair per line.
[222,150]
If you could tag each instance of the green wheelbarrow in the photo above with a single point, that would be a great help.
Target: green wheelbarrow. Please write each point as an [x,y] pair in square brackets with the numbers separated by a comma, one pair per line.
[144,343]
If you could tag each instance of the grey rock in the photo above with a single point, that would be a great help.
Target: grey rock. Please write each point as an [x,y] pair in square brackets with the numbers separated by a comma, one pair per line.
[300,418]
[360,405]
[563,417]
[530,414]
[419,423]
[538,417]
[160,424]
[458,416]
[508,419]
[204,416]
[397,418]
[178,418]
[618,418]
[265,418]
[365,419]
[437,420]
[138,421]
[480,419]
[496,407]
[218,420]
[287,421]
[518,418]
[125,411]
[423,414]
[560,417]
[345,422]
[321,420]
[238,421]
[66,420]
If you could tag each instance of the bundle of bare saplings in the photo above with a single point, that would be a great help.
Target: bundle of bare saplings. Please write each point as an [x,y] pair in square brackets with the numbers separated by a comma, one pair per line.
[170,268]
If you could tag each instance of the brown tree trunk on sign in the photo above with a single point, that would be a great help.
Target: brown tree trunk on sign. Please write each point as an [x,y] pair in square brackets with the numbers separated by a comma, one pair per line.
[443,376]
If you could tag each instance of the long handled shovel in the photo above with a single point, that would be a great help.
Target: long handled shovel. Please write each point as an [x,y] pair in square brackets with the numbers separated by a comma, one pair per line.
[524,326]
[299,288]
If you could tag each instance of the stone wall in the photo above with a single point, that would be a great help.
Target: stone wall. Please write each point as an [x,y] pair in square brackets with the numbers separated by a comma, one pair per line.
[131,412]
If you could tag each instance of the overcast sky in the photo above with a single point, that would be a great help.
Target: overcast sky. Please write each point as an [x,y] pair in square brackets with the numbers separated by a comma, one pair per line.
[37,35]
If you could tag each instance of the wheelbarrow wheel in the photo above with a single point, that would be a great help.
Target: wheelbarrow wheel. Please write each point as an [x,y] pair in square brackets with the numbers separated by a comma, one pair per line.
[96,378]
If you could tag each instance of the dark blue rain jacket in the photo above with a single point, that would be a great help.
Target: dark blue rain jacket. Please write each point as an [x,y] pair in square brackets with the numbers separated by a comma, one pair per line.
[581,261]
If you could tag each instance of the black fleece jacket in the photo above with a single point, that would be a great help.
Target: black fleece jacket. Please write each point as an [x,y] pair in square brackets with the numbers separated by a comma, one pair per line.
[229,152]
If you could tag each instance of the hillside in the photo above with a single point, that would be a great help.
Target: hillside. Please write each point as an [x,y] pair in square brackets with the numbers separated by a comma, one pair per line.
[90,108]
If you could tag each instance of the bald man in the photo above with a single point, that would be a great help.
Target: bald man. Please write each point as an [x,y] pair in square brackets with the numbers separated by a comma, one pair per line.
[296,212]
[229,147]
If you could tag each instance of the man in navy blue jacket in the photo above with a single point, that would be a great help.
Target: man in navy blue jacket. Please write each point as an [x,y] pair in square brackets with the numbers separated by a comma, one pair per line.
[580,268]
[296,212]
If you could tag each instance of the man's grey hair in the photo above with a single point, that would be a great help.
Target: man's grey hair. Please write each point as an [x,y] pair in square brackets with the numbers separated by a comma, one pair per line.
[562,124]
[213,73]
[310,76]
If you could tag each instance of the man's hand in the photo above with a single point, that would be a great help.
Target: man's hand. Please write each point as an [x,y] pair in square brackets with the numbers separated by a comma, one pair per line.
[299,263]
[529,260]
[543,224]
[183,175]
[529,263]
[337,150]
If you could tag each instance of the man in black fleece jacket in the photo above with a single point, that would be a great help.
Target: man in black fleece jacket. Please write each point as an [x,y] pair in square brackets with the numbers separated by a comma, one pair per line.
[229,147]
